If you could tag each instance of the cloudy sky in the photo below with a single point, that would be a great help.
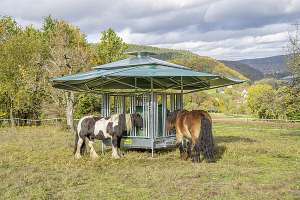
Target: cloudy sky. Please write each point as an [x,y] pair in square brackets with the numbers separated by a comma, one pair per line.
[223,29]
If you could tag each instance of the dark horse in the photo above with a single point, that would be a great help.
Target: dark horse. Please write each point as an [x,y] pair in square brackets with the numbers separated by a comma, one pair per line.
[113,127]
[196,127]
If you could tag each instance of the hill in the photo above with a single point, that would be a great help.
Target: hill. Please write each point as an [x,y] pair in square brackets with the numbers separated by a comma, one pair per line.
[244,69]
[189,59]
[275,65]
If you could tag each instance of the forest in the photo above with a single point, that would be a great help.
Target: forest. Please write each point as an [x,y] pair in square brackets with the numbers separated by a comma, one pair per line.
[30,57]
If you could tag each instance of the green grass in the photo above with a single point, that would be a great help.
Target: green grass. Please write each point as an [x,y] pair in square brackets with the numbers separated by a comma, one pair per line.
[253,163]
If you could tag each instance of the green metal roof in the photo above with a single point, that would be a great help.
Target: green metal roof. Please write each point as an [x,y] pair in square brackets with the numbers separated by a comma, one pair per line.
[133,75]
[141,58]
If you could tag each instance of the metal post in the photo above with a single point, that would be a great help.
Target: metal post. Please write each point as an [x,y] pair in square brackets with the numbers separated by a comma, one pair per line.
[179,105]
[123,104]
[105,105]
[155,116]
[152,119]
[172,102]
[132,109]
[181,95]
[164,113]
[145,127]
[116,108]
[105,112]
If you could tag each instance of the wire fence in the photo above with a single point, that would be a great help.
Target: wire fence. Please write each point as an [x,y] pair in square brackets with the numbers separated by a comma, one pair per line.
[35,122]
[240,120]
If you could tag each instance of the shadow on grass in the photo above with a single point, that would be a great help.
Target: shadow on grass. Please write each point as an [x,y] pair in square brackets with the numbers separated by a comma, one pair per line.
[157,151]
[219,151]
[229,139]
[292,134]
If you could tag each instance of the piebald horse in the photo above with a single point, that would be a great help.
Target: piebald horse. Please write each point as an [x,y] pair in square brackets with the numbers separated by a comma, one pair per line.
[113,127]
[196,127]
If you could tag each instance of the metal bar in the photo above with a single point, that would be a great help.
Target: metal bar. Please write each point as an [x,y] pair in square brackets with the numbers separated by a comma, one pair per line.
[104,83]
[155,116]
[181,94]
[191,84]
[152,118]
[208,88]
[157,82]
[123,104]
[116,104]
[148,103]
[172,102]
[124,83]
[164,113]
[145,128]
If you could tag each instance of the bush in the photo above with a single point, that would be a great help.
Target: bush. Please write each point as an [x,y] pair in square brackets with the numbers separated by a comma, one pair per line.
[87,104]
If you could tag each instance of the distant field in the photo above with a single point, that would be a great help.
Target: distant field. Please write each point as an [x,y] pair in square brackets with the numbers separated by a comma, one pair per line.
[254,162]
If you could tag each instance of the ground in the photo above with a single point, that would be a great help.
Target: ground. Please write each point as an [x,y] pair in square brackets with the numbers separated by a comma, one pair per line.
[253,162]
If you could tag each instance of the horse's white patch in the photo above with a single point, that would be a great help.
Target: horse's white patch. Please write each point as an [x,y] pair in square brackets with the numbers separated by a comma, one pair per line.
[128,122]
[79,143]
[115,119]
[101,125]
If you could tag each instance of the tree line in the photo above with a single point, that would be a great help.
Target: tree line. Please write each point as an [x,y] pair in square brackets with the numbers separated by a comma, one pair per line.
[29,57]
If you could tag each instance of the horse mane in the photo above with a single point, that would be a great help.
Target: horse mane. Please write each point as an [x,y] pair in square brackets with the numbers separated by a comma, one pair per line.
[128,122]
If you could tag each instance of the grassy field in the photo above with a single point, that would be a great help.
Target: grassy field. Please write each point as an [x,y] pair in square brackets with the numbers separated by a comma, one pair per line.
[253,163]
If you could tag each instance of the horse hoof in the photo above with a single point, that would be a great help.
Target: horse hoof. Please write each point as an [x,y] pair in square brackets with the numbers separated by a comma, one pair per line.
[116,156]
[184,156]
[121,154]
[196,160]
[77,156]
[94,156]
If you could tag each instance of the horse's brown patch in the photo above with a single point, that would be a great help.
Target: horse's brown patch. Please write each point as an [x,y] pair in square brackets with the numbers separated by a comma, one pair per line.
[109,128]
[196,126]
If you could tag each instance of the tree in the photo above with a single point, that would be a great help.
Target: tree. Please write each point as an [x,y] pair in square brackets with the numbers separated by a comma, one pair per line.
[20,69]
[261,101]
[293,51]
[288,102]
[87,104]
[111,47]
[67,52]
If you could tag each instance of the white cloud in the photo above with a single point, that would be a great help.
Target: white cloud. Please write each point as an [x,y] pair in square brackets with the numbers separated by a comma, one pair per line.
[221,28]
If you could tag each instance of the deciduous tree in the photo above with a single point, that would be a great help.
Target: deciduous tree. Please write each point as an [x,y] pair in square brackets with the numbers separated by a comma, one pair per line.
[111,47]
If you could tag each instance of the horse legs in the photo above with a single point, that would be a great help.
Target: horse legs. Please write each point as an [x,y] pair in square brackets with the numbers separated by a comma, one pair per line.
[114,142]
[196,152]
[93,153]
[119,147]
[79,144]
[189,148]
[179,139]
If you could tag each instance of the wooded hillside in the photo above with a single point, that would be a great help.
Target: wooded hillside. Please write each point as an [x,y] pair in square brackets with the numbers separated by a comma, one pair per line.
[189,59]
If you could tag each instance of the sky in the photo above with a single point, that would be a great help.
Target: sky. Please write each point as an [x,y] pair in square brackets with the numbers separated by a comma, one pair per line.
[223,29]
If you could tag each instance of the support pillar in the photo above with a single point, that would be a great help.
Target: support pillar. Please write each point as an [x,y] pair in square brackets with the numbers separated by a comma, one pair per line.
[105,110]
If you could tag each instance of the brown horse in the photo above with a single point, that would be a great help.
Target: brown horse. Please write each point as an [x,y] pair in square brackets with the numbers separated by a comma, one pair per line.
[196,127]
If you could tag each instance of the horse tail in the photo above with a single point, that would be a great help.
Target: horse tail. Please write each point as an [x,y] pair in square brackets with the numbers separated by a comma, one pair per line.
[206,138]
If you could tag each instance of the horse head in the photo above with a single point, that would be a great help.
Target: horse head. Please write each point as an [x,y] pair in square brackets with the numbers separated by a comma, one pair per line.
[137,120]
[171,120]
